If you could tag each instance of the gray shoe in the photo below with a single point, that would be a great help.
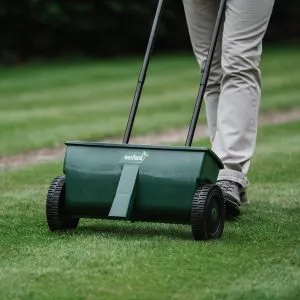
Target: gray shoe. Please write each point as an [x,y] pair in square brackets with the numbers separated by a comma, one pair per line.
[233,194]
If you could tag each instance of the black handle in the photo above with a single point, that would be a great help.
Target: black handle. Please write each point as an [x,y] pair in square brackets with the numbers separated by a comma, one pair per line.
[143,74]
[205,75]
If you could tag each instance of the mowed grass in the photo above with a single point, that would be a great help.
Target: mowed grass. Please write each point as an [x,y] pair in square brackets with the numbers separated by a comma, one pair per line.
[258,257]
[45,104]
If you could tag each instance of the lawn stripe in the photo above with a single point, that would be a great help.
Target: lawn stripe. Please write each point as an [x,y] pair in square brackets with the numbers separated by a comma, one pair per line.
[77,100]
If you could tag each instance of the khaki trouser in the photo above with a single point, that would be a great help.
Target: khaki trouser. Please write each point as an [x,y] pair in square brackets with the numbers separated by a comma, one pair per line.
[233,93]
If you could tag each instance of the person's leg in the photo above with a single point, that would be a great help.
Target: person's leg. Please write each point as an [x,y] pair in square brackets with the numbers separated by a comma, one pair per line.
[244,28]
[201,16]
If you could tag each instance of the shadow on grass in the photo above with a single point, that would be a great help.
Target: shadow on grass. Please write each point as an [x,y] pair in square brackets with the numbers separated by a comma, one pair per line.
[257,223]
[128,230]
[135,230]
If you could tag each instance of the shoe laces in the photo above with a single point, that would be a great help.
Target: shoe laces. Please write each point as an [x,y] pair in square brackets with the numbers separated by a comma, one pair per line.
[227,186]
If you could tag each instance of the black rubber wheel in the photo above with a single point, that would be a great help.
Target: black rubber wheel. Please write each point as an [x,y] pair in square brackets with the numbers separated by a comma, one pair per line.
[208,213]
[57,218]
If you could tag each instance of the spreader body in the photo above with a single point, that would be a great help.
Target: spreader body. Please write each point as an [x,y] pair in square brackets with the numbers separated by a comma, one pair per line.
[134,182]
[165,184]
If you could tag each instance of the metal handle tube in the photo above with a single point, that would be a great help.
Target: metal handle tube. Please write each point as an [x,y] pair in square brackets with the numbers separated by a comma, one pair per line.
[205,76]
[143,74]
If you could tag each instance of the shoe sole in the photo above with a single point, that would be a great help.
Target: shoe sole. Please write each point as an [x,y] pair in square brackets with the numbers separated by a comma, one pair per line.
[244,198]
[232,208]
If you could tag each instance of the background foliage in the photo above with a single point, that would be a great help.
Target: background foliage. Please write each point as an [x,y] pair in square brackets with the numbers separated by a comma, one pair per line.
[44,28]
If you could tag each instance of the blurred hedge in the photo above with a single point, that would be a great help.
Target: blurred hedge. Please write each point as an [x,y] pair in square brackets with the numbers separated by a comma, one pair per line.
[45,28]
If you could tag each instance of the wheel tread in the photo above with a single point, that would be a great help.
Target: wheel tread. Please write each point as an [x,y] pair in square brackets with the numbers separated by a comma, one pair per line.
[198,211]
[56,220]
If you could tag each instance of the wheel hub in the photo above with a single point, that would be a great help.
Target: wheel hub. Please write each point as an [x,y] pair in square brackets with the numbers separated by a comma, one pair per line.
[214,217]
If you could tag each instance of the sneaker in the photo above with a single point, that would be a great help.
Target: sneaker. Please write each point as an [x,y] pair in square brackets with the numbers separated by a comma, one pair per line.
[233,195]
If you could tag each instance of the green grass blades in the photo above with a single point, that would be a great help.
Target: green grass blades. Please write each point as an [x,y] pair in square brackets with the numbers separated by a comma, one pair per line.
[43,104]
[258,257]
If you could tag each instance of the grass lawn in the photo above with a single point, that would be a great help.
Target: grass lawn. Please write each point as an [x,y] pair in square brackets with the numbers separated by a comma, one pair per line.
[257,257]
[42,105]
